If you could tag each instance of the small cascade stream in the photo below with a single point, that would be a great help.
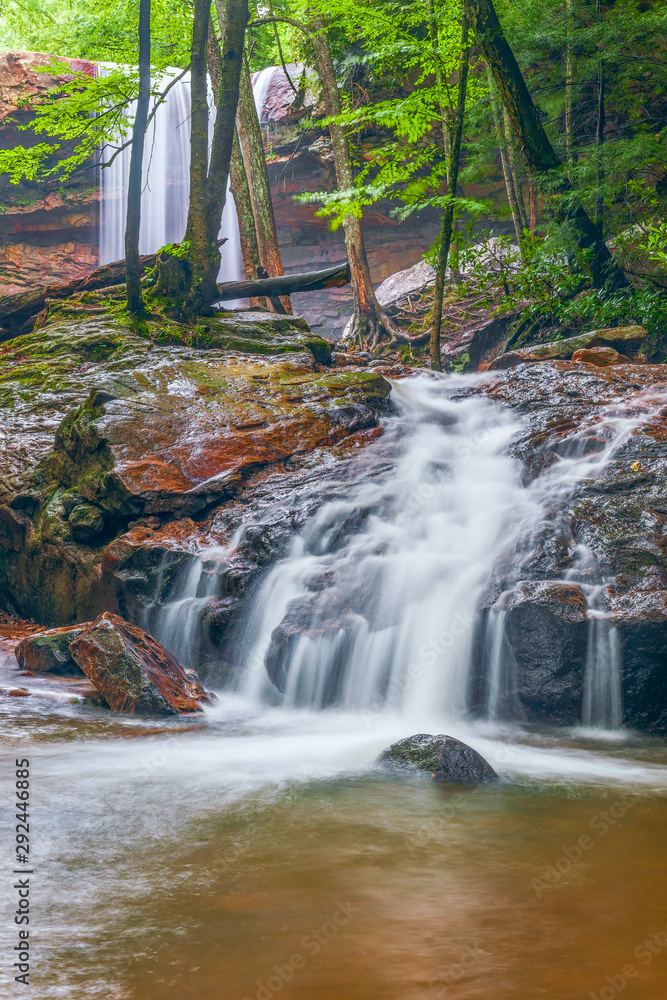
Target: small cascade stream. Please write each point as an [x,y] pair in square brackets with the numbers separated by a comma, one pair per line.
[375,607]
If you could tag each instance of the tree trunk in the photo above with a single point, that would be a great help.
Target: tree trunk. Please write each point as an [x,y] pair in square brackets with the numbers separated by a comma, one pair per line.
[197,230]
[135,301]
[369,322]
[532,192]
[448,215]
[514,171]
[252,145]
[504,158]
[540,154]
[191,279]
[238,178]
[599,141]
[571,153]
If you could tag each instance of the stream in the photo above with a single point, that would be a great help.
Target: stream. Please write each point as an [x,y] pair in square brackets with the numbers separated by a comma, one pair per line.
[259,853]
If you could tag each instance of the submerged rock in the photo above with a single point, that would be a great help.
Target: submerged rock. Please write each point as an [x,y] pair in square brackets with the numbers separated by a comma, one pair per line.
[48,651]
[448,760]
[132,671]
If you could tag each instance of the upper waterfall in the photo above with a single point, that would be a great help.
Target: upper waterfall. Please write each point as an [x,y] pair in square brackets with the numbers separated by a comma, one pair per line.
[166,185]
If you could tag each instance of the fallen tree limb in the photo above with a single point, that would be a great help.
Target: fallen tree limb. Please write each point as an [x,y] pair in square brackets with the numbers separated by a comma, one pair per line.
[285,284]
[24,304]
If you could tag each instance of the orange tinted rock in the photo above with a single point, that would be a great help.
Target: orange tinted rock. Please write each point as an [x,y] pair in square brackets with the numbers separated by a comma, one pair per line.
[132,671]
[601,356]
[48,651]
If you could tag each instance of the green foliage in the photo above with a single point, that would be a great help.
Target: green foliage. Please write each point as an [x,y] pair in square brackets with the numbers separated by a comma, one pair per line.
[97,29]
[76,116]
[550,288]
[655,246]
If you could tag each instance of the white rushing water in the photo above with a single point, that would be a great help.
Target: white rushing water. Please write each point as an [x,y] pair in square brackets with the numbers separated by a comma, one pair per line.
[166,185]
[389,609]
[374,608]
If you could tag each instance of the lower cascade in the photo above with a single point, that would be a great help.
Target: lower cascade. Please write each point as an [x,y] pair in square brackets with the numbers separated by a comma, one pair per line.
[394,595]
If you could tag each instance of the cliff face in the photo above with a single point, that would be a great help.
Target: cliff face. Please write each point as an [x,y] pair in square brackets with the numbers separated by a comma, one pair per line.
[48,231]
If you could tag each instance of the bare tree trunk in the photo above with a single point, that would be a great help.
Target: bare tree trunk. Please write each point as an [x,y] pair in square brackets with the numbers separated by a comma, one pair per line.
[504,158]
[238,178]
[192,279]
[532,189]
[599,141]
[448,216]
[514,170]
[369,322]
[537,149]
[571,153]
[197,230]
[252,145]
[135,301]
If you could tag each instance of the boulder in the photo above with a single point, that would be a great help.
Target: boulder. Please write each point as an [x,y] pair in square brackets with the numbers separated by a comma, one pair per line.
[547,628]
[48,652]
[627,340]
[132,671]
[106,429]
[617,517]
[600,356]
[446,759]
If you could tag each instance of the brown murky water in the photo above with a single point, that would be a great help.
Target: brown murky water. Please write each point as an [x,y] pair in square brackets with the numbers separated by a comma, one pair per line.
[259,860]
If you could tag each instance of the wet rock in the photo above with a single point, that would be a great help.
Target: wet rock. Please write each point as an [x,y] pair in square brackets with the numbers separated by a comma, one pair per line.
[600,356]
[618,517]
[447,759]
[547,629]
[86,522]
[133,673]
[48,652]
[107,430]
[626,339]
[263,333]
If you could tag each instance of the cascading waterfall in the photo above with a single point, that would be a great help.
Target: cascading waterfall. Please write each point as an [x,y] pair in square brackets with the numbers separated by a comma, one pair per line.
[164,198]
[609,429]
[386,608]
[375,606]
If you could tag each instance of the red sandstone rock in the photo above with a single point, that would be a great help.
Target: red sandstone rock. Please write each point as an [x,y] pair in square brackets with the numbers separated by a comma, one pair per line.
[601,356]
[48,651]
[133,673]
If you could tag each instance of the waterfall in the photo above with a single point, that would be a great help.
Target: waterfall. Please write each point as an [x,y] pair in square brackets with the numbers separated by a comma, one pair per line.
[603,705]
[582,456]
[166,173]
[376,606]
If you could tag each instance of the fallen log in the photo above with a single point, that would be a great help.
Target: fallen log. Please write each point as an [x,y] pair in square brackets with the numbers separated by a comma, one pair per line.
[285,284]
[16,310]
[31,301]
[34,299]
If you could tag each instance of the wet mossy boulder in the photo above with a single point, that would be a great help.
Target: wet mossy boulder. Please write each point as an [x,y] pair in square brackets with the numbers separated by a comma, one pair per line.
[48,652]
[446,759]
[262,333]
[108,426]
[86,522]
[134,674]
[627,340]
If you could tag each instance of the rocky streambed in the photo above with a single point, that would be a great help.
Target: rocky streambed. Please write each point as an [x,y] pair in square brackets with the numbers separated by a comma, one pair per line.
[130,458]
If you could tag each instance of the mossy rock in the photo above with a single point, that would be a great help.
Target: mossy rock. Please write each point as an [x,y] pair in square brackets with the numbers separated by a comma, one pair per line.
[260,333]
